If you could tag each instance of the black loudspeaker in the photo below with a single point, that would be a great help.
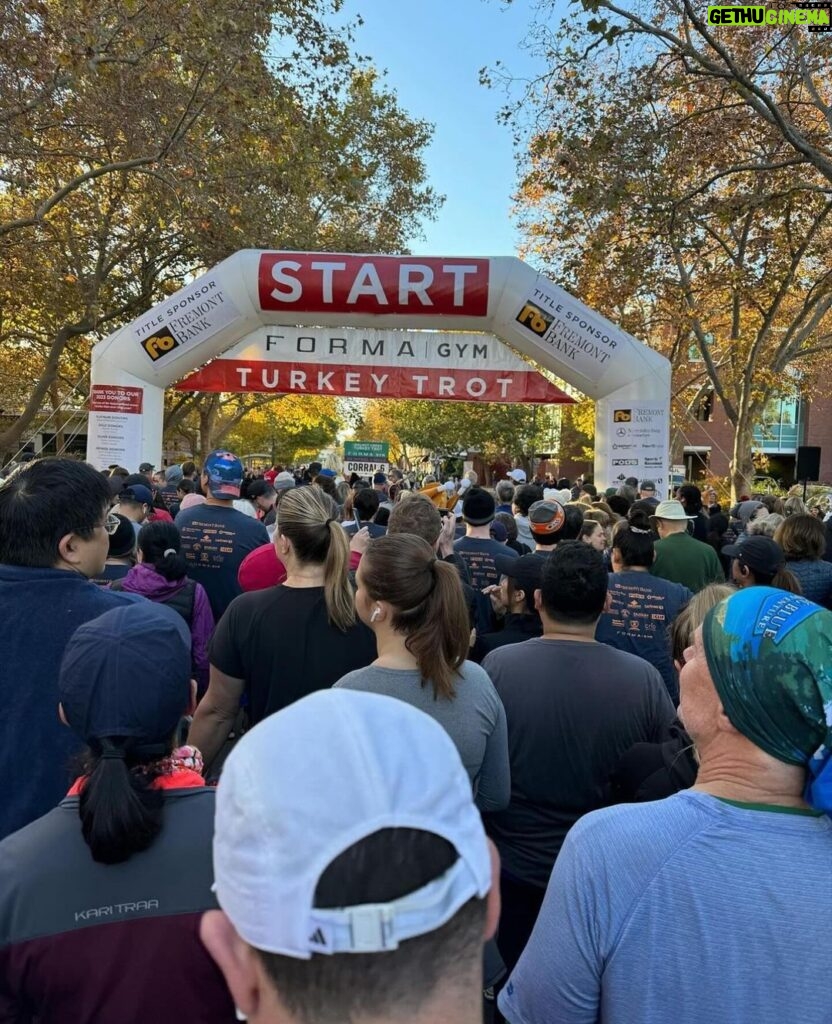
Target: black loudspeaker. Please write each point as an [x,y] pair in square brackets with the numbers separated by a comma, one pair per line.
[808,463]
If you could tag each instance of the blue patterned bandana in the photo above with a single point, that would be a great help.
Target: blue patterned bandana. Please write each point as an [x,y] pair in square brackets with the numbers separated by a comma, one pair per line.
[770,657]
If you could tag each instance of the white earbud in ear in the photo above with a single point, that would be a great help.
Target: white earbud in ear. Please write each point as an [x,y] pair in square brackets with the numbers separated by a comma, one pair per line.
[376,613]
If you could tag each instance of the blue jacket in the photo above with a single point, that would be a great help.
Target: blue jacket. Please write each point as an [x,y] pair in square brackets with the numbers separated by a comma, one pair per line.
[41,609]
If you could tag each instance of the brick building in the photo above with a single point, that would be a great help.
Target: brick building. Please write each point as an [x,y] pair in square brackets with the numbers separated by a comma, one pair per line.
[703,441]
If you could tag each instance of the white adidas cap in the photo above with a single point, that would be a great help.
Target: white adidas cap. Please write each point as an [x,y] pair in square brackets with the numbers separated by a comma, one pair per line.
[312,780]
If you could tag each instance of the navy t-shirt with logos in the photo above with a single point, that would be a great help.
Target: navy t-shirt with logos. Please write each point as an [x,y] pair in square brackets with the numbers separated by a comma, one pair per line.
[642,610]
[479,553]
[215,540]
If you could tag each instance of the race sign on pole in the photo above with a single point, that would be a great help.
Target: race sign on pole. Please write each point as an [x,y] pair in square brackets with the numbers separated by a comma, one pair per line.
[456,367]
[366,458]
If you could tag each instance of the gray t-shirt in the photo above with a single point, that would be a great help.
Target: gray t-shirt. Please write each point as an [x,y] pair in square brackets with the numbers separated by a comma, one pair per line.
[688,909]
[474,719]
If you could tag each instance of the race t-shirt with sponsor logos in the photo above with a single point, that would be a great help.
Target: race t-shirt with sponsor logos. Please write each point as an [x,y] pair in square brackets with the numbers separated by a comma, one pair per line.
[215,540]
[478,553]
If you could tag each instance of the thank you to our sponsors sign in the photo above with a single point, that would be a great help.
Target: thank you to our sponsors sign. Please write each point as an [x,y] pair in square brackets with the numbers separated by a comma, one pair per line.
[638,443]
[115,425]
[444,365]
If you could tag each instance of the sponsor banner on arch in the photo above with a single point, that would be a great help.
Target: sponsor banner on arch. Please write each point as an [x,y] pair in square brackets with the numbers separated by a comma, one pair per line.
[446,366]
[638,443]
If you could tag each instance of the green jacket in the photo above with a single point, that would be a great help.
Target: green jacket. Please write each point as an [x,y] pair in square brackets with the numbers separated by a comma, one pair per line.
[681,558]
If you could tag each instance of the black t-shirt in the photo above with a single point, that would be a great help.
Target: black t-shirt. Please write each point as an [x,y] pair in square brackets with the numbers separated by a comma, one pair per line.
[573,709]
[215,540]
[280,641]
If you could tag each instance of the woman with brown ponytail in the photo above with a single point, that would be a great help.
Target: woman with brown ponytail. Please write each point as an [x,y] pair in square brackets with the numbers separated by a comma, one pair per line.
[414,605]
[280,644]
[101,898]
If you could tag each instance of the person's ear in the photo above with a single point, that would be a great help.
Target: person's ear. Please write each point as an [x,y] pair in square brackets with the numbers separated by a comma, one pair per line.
[655,554]
[608,602]
[62,714]
[492,909]
[538,600]
[69,549]
[235,958]
[519,596]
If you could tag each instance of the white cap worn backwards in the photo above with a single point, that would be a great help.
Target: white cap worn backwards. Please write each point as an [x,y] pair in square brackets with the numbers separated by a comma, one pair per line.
[312,780]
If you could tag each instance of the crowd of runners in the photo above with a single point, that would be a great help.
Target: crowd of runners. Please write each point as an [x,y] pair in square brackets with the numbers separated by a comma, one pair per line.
[299,749]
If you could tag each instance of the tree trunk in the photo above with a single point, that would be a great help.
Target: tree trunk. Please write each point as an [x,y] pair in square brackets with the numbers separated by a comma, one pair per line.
[10,439]
[207,425]
[742,464]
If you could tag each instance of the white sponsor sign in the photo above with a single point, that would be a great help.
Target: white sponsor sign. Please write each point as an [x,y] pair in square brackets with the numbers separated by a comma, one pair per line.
[115,426]
[637,435]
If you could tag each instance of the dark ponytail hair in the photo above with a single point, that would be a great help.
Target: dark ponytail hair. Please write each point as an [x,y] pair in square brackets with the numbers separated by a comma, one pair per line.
[783,579]
[161,546]
[427,601]
[120,814]
[633,539]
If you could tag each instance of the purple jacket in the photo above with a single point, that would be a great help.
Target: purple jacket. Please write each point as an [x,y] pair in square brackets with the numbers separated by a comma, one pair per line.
[143,579]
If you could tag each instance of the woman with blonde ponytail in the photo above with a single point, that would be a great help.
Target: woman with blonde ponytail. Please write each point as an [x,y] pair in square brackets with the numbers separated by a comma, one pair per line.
[414,605]
[280,644]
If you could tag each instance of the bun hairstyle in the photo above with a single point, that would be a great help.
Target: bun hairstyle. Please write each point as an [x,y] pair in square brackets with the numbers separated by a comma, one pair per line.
[161,546]
[633,539]
[309,519]
[427,601]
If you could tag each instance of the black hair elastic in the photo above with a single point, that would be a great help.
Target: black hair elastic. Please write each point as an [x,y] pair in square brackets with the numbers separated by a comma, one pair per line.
[113,754]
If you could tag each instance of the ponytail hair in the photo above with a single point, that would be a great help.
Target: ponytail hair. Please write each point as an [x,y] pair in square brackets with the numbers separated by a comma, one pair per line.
[309,519]
[427,601]
[120,814]
[783,579]
[161,547]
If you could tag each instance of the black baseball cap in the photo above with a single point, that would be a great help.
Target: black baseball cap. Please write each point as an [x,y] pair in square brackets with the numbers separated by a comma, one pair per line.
[146,467]
[526,571]
[758,553]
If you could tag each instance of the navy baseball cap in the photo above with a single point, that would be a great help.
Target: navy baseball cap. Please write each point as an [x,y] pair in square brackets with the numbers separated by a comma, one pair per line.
[103,688]
[136,492]
[225,474]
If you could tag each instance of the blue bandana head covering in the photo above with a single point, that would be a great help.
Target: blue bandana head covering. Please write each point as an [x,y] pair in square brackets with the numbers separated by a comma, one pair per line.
[770,656]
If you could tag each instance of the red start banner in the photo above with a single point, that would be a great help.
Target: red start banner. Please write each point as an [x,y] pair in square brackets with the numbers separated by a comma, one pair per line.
[284,378]
[412,285]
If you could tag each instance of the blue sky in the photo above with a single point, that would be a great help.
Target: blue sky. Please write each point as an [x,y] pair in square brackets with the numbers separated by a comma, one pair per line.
[432,51]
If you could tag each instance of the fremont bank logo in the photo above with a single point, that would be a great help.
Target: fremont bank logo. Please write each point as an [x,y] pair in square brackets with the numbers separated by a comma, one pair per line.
[160,343]
[536,319]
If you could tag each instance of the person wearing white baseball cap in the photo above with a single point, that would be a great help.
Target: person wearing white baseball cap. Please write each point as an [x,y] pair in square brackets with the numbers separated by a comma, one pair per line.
[517,475]
[351,865]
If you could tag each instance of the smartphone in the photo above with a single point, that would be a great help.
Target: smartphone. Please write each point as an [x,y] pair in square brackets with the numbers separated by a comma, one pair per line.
[357,520]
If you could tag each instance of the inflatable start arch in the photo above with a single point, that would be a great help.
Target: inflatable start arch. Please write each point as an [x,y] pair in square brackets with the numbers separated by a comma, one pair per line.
[385,326]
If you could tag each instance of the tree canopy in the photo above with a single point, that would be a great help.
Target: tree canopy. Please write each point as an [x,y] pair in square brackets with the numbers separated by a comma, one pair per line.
[674,198]
[141,142]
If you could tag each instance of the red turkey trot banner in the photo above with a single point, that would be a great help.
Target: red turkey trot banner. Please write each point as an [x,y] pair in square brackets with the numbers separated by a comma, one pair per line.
[448,366]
